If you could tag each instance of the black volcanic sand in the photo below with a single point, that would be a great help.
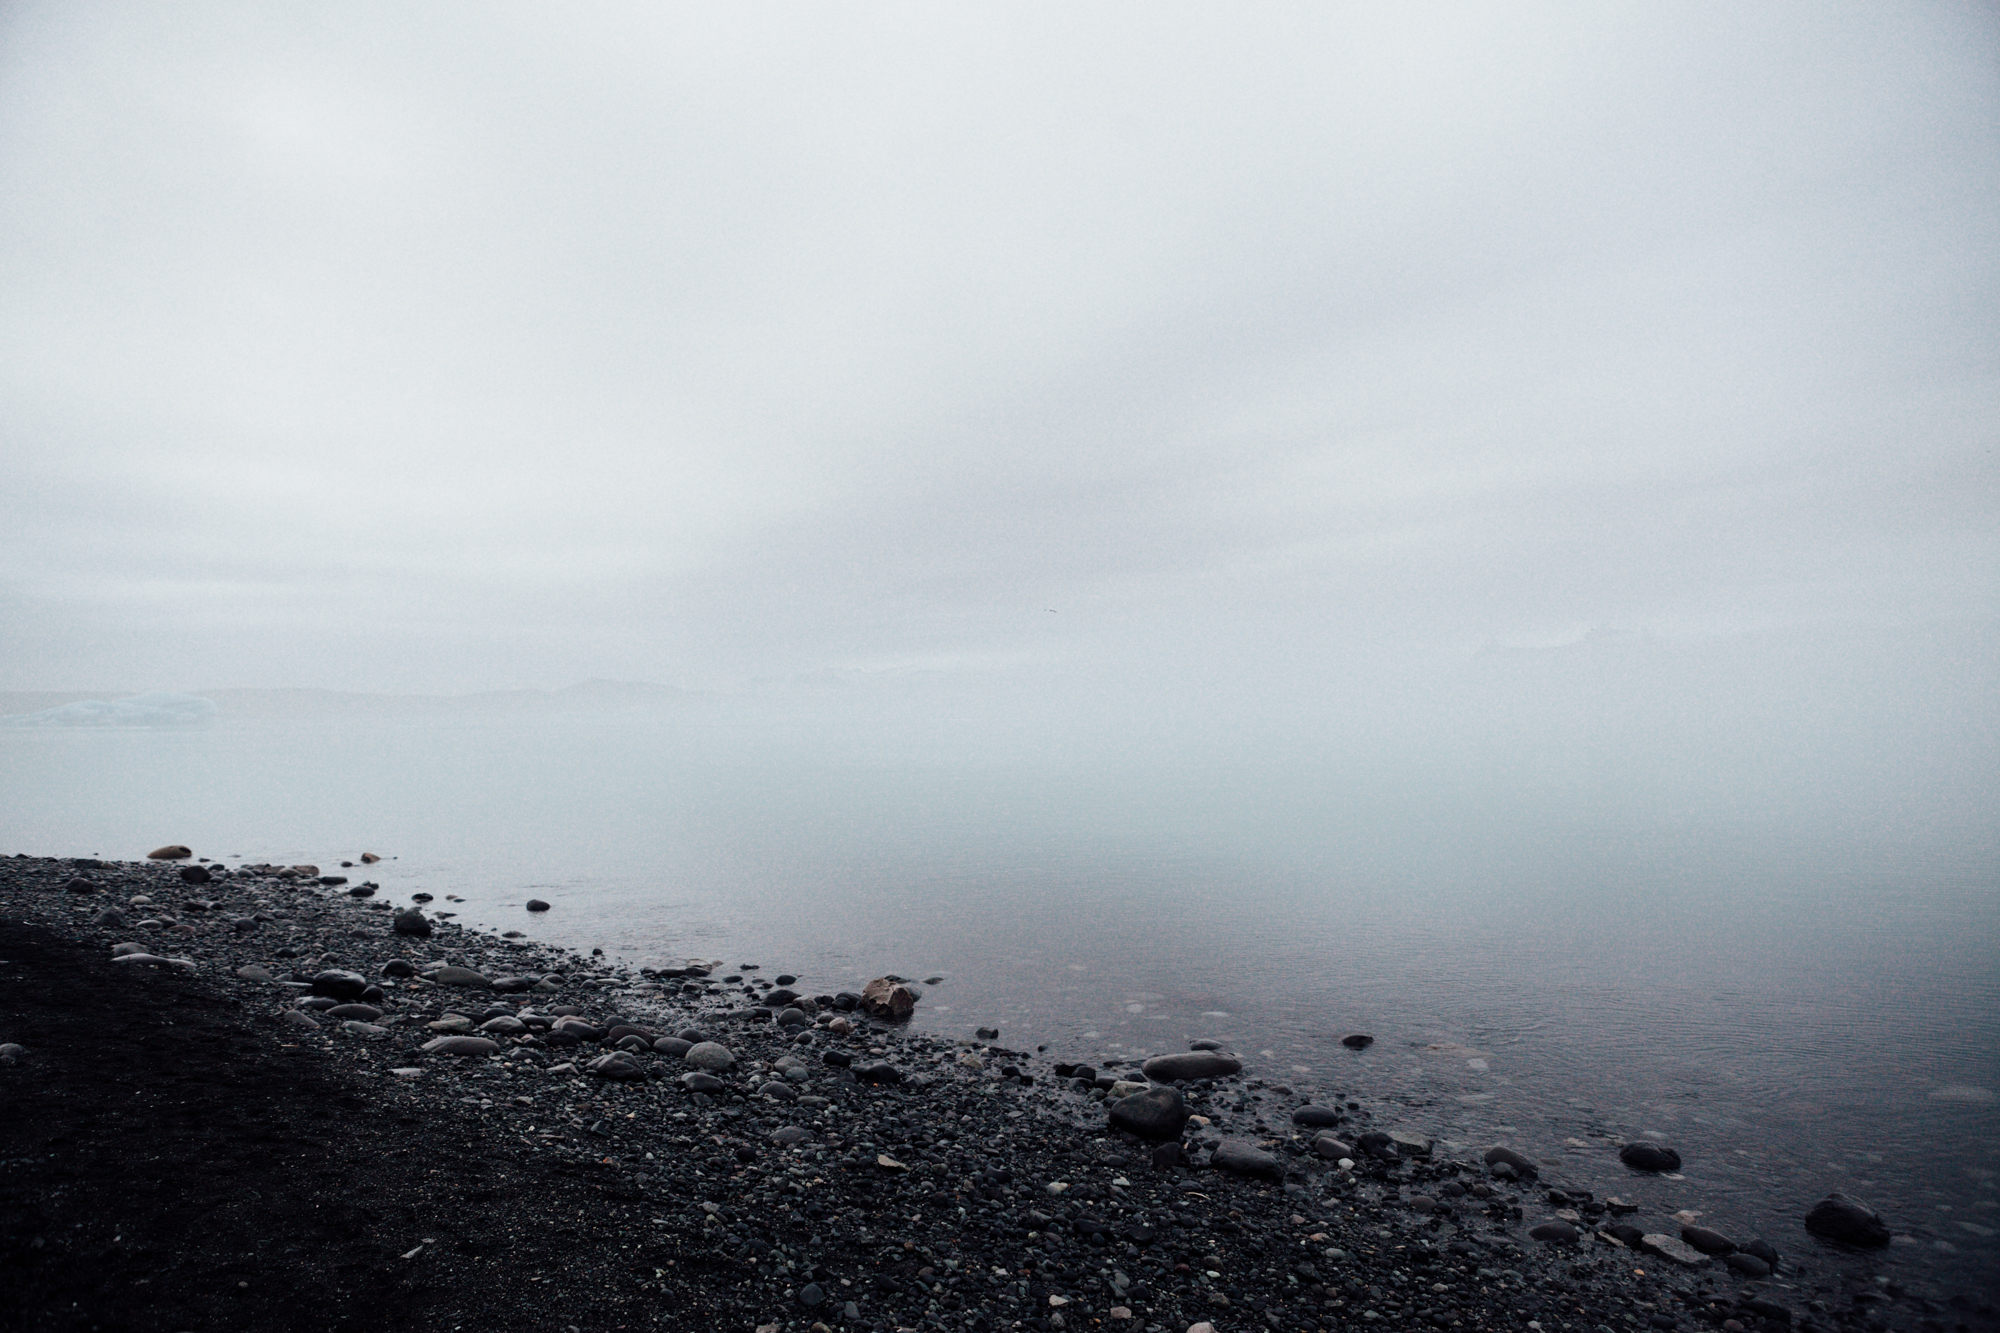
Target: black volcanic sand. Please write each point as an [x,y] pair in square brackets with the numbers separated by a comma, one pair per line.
[177,1155]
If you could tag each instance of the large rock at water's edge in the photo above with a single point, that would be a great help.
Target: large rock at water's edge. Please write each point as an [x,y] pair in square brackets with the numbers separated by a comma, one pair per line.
[1242,1159]
[1157,1113]
[1649,1157]
[173,851]
[1191,1065]
[883,998]
[412,921]
[1522,1167]
[1849,1221]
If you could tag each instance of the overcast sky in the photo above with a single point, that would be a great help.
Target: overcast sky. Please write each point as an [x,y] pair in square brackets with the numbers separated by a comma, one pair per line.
[449,347]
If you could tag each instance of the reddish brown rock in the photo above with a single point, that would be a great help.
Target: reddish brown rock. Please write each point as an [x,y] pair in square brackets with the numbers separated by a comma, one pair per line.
[888,999]
[171,852]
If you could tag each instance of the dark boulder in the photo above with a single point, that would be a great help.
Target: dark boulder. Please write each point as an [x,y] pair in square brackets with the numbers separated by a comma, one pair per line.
[1747,1265]
[411,922]
[1649,1157]
[1242,1159]
[340,984]
[1156,1114]
[1357,1041]
[1191,1065]
[1708,1242]
[1524,1167]
[1849,1221]
[1318,1116]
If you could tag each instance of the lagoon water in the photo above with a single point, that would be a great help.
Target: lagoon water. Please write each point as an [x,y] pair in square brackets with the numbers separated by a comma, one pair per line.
[1797,1006]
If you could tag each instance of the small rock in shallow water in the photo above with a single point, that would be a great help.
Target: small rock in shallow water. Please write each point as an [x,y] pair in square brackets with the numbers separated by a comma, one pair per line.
[171,852]
[1849,1221]
[886,999]
[1518,1164]
[1708,1242]
[1749,1265]
[537,905]
[1316,1116]
[1649,1157]
[1357,1041]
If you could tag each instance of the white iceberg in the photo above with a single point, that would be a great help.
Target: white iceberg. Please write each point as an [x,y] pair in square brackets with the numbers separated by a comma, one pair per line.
[138,710]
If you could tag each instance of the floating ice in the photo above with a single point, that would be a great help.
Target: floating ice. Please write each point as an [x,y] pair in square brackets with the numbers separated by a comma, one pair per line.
[1964,1092]
[140,710]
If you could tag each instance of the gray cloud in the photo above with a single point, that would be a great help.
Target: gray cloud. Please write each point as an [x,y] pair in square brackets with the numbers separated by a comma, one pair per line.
[477,347]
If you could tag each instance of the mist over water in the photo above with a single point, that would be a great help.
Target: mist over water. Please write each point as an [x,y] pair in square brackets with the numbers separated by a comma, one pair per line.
[1571,891]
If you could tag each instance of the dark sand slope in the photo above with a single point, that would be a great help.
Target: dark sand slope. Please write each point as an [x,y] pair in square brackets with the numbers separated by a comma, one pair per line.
[177,1153]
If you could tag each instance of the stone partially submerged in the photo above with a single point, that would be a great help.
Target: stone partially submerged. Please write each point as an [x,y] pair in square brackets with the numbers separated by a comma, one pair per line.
[1849,1221]
[888,998]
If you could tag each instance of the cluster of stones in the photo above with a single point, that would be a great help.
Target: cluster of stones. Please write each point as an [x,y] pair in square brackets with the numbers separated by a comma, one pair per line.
[866,1175]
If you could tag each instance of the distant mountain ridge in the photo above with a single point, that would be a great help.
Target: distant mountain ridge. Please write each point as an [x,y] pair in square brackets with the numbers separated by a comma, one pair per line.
[308,702]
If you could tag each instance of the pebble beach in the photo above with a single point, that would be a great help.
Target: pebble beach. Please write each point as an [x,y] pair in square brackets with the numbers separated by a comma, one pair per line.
[267,1096]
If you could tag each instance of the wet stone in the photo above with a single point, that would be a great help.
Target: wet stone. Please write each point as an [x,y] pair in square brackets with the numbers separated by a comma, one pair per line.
[1649,1157]
[1191,1065]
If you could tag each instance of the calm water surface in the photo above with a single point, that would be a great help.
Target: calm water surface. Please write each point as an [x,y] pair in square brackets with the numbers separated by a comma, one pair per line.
[1794,1011]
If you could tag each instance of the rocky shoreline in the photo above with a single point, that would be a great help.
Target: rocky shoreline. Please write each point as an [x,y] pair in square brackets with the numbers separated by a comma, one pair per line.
[264,1096]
